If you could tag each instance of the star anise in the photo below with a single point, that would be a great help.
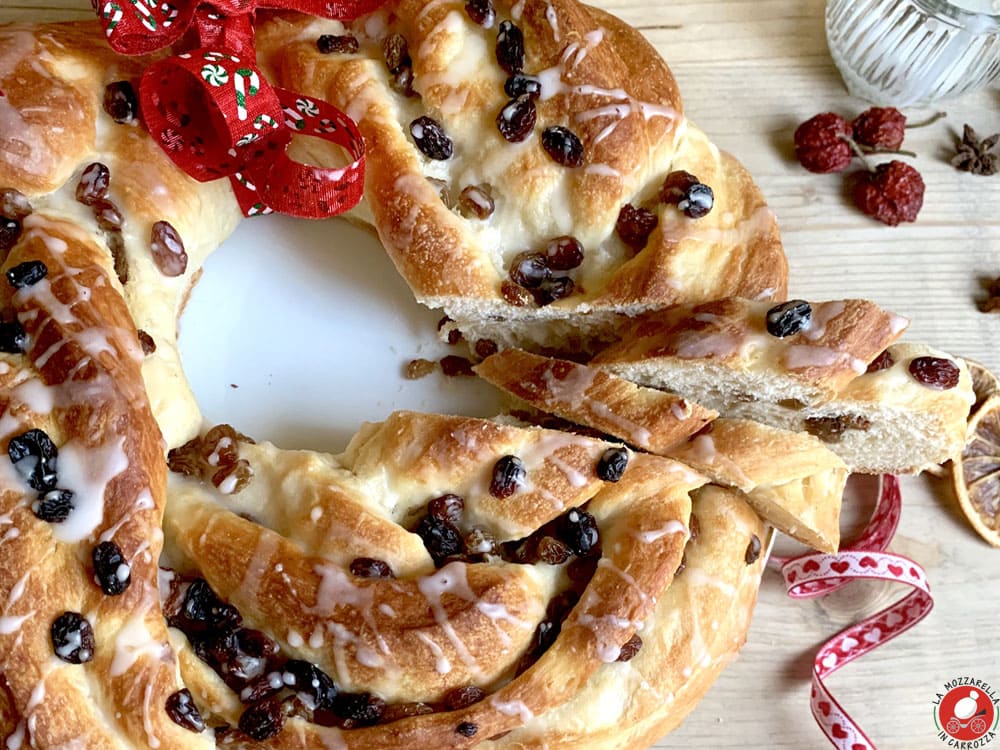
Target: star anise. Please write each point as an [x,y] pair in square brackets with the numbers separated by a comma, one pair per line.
[976,155]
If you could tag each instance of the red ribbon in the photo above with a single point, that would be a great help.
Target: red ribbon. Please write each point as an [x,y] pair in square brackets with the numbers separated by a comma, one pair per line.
[215,114]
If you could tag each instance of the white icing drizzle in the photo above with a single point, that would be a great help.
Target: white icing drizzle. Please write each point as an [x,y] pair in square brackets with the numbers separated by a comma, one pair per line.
[134,641]
[512,708]
[627,577]
[651,535]
[821,316]
[450,579]
[441,665]
[87,472]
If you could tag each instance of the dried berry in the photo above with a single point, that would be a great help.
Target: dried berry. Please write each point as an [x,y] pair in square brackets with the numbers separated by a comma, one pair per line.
[463,697]
[753,550]
[880,128]
[146,342]
[563,145]
[72,638]
[481,12]
[441,539]
[120,102]
[893,193]
[28,273]
[935,372]
[396,53]
[517,118]
[788,318]
[93,184]
[111,569]
[552,552]
[34,455]
[10,233]
[402,81]
[485,348]
[263,687]
[447,508]
[515,294]
[431,139]
[263,720]
[309,679]
[369,567]
[480,542]
[882,362]
[233,478]
[419,368]
[167,248]
[975,155]
[530,270]
[508,474]
[520,84]
[203,610]
[182,711]
[612,464]
[821,143]
[53,506]
[239,656]
[467,729]
[475,202]
[550,290]
[685,191]
[630,649]
[345,44]
[563,253]
[561,605]
[14,204]
[634,226]
[109,216]
[116,244]
[359,709]
[510,47]
[579,530]
[13,338]
[454,366]
[543,637]
[832,429]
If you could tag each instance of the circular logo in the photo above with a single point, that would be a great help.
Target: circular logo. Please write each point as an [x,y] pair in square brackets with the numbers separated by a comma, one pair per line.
[967,712]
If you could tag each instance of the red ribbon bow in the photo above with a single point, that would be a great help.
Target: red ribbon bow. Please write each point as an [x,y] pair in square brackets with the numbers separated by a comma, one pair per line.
[216,115]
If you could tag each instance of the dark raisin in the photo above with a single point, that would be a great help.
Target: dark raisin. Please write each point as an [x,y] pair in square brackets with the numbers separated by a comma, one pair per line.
[563,253]
[431,139]
[515,294]
[529,270]
[475,202]
[561,605]
[463,697]
[14,204]
[111,570]
[485,348]
[612,464]
[510,47]
[13,338]
[182,710]
[630,649]
[508,474]
[53,506]
[263,720]
[550,290]
[233,478]
[240,656]
[753,550]
[369,567]
[788,318]
[167,248]
[454,366]
[454,336]
[10,233]
[481,12]
[447,508]
[120,102]
[552,552]
[563,145]
[634,225]
[72,638]
[34,455]
[543,637]
[578,529]
[402,81]
[359,709]
[520,84]
[263,687]
[203,608]
[146,342]
[93,184]
[312,681]
[581,569]
[109,216]
[935,372]
[467,729]
[831,429]
[116,244]
[396,53]
[882,362]
[517,118]
[28,273]
[441,538]
[329,44]
[480,542]
[685,191]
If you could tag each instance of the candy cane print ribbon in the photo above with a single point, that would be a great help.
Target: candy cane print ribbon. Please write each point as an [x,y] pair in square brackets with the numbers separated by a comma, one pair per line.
[816,574]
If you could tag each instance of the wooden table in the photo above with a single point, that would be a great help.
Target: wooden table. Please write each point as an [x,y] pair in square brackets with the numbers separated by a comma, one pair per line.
[750,71]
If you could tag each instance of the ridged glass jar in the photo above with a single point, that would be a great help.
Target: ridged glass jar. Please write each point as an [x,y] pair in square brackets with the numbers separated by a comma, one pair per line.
[904,52]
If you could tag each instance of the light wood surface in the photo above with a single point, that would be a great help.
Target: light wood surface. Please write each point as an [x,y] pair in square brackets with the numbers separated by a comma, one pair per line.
[750,71]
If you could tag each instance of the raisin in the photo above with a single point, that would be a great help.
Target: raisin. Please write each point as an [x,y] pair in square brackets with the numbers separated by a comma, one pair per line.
[396,53]
[561,605]
[485,348]
[517,118]
[529,270]
[463,697]
[510,47]
[345,44]
[508,474]
[441,187]
[359,709]
[167,248]
[204,610]
[431,139]
[120,102]
[53,506]
[788,318]
[481,12]
[34,456]
[28,273]
[563,253]
[109,216]
[146,342]
[369,567]
[13,338]
[467,729]
[578,529]
[556,288]
[634,226]
[831,429]
[455,366]
[935,372]
[116,244]
[402,81]
[882,362]
[563,145]
[552,552]
[14,204]
[630,649]
[581,569]
[612,464]
[480,542]
[543,637]
[263,720]
[419,368]
[475,202]
[447,508]
[72,638]
[232,479]
[312,681]
[263,687]
[111,570]
[753,550]
[441,538]
[240,656]
[182,711]
[10,233]
[520,84]
[685,191]
[93,184]
[515,294]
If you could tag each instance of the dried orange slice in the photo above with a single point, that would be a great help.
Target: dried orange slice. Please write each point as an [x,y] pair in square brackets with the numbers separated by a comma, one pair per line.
[977,473]
[984,383]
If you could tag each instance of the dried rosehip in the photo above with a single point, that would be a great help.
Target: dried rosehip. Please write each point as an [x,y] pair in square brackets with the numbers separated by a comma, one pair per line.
[369,567]
[508,474]
[167,248]
[10,232]
[563,253]
[882,362]
[72,638]
[93,184]
[517,118]
[28,273]
[682,189]
[893,193]
[753,550]
[520,84]
[475,202]
[510,47]
[263,720]
[788,318]
[463,697]
[935,372]
[821,145]
[120,102]
[182,711]
[431,139]
[441,539]
[579,530]
[345,44]
[630,649]
[563,145]
[111,569]
[529,270]
[880,127]
[34,455]
[612,464]
[13,338]
[634,226]
[481,12]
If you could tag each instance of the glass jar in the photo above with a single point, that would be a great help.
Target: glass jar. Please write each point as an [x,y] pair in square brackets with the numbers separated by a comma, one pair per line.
[904,52]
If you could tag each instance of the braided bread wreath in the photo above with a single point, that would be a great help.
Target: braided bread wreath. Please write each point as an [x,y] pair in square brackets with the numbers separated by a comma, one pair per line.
[303,610]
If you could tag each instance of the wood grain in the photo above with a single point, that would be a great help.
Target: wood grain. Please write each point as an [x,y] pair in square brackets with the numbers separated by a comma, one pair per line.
[751,71]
